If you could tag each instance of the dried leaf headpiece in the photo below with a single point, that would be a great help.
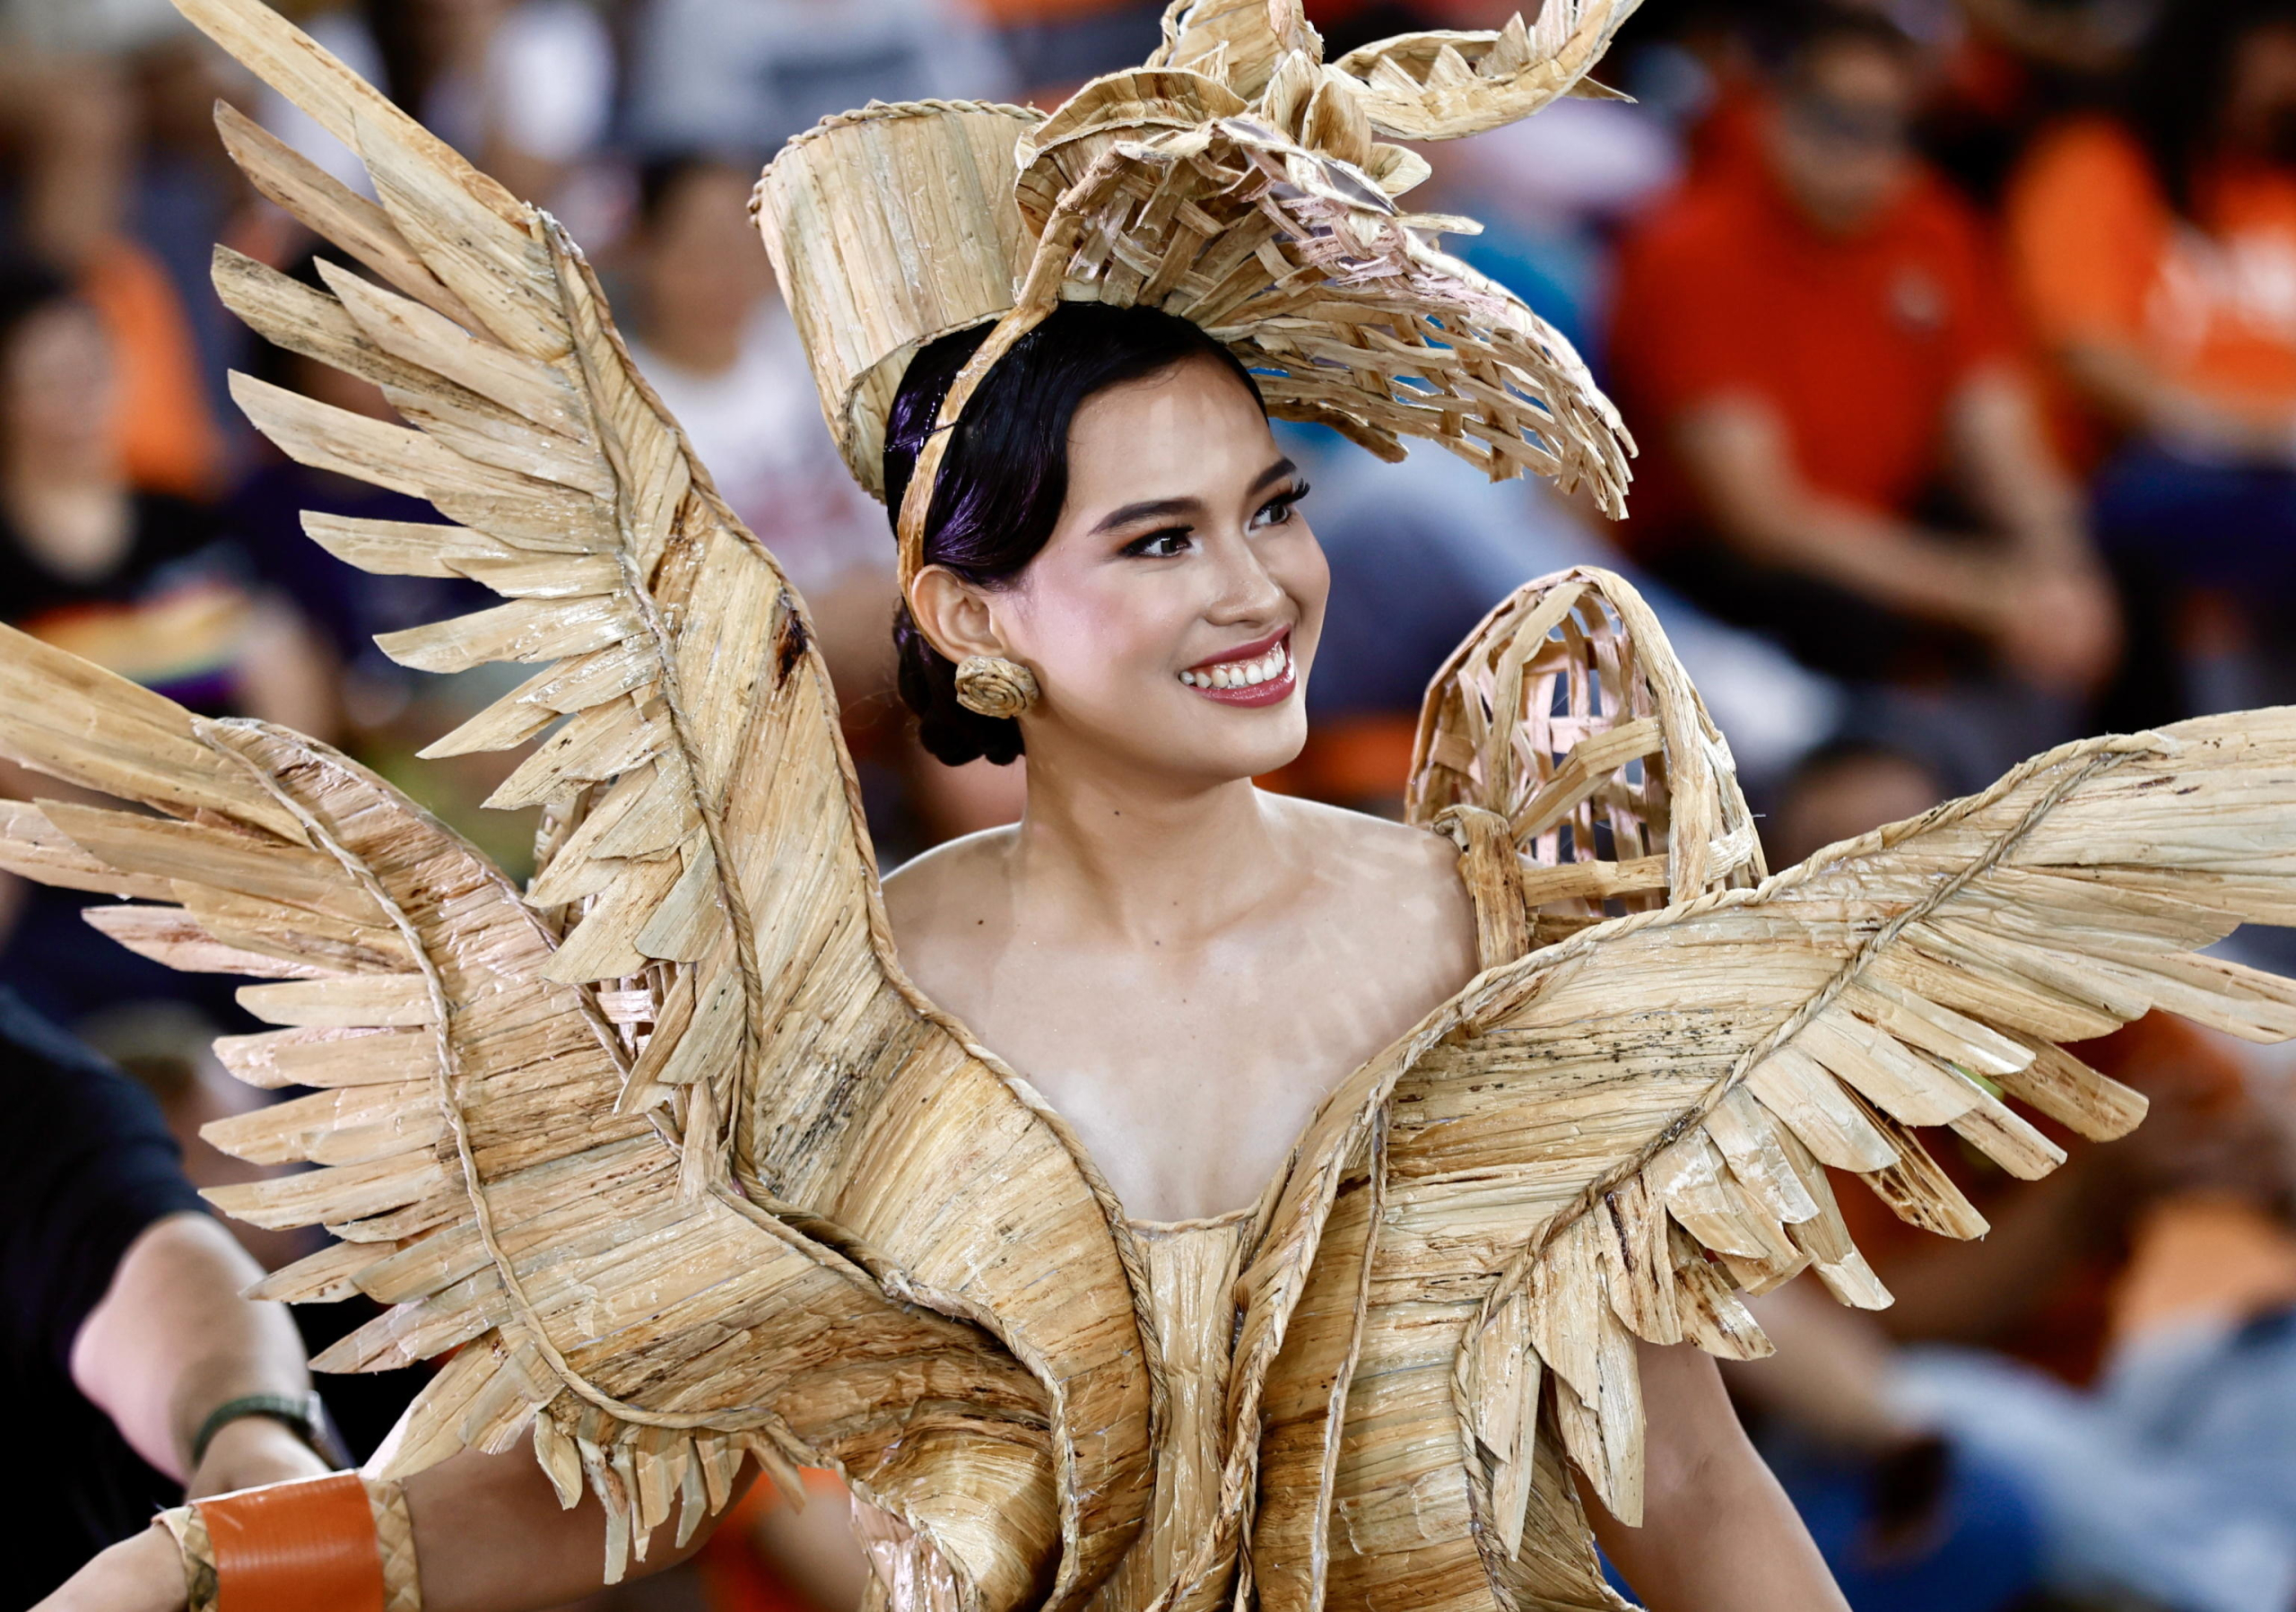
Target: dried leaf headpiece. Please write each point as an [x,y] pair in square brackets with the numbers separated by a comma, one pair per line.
[1239,181]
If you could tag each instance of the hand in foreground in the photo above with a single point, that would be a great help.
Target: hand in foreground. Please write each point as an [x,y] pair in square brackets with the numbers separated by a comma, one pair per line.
[141,1574]
[249,1452]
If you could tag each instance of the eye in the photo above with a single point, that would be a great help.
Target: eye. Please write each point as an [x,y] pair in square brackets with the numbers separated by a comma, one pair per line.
[1160,546]
[1278,510]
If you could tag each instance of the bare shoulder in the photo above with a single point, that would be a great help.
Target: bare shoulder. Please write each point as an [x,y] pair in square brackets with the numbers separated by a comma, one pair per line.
[1403,879]
[932,899]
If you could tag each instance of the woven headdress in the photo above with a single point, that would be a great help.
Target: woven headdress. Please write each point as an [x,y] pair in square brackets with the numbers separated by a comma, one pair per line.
[1237,180]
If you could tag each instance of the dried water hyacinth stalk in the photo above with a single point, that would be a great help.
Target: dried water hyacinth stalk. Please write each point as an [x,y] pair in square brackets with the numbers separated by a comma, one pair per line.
[1567,714]
[1813,1020]
[672,1161]
[1236,181]
[704,850]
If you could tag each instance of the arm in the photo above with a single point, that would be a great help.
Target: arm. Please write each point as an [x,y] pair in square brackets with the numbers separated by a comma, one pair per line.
[1741,465]
[489,1537]
[2065,625]
[2048,619]
[172,1340]
[2121,383]
[1717,1533]
[2012,477]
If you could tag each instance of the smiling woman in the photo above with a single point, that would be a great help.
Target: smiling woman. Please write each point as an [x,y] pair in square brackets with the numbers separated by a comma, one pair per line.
[1006,475]
[1187,1198]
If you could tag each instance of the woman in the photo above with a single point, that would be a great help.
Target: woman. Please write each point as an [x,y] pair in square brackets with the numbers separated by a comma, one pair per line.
[1184,964]
[675,1158]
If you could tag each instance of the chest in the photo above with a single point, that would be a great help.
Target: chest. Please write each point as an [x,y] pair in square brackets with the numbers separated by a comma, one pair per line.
[1187,1083]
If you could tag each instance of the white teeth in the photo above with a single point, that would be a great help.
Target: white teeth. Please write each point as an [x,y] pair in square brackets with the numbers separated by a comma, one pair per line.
[1242,673]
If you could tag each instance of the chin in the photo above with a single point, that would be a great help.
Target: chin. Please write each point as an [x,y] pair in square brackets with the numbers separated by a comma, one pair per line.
[1255,744]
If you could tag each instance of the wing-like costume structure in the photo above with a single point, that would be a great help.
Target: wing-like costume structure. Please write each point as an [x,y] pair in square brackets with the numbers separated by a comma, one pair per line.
[662,1150]
[1606,1138]
[672,1162]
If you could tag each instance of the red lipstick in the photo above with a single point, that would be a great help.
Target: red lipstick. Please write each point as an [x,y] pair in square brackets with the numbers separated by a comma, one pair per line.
[1269,658]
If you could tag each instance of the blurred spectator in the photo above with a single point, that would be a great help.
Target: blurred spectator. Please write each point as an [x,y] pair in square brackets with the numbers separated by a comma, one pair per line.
[1419,551]
[743,75]
[2157,253]
[1056,45]
[523,88]
[713,337]
[72,125]
[2013,67]
[146,584]
[1549,192]
[124,1335]
[1812,347]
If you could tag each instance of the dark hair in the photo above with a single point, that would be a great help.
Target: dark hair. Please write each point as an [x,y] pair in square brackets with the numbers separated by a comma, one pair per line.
[2180,80]
[1794,37]
[661,178]
[28,287]
[1004,474]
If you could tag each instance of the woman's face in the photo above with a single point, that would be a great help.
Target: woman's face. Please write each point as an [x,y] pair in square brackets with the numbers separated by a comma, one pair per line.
[56,389]
[1172,617]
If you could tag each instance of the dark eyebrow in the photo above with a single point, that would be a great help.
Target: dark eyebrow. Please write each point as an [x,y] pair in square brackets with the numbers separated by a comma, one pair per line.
[1156,508]
[1124,514]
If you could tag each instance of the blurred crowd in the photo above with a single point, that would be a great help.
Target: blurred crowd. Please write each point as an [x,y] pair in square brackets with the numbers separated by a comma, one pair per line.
[1959,339]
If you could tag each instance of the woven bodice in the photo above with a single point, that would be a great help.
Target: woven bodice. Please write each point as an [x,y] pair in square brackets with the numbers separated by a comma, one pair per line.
[1191,1268]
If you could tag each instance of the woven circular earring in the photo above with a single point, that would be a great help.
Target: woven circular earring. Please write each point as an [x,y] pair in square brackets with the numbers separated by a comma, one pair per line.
[990,685]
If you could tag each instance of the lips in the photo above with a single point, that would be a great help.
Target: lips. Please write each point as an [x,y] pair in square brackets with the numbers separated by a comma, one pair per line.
[1260,672]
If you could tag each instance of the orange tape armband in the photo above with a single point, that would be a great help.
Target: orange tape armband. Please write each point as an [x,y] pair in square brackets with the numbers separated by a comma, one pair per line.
[299,1547]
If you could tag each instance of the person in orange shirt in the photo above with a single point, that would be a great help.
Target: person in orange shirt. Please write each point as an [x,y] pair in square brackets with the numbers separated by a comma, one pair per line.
[1808,346]
[73,123]
[2157,256]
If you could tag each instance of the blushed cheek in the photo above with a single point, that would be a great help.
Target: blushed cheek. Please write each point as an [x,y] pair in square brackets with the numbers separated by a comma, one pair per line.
[1097,645]
[1302,572]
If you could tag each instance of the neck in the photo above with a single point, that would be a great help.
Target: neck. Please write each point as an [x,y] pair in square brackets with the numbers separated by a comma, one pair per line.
[1170,866]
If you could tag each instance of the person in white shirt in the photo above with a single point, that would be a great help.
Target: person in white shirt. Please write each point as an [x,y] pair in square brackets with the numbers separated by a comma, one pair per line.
[712,336]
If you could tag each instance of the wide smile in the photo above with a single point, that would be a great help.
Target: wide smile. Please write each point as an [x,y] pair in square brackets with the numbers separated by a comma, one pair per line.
[1256,674]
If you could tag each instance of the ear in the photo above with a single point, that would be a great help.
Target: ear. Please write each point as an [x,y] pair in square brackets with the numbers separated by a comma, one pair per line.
[953,614]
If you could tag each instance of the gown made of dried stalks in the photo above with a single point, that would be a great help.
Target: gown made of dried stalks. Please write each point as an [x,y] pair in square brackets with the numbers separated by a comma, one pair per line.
[669,1163]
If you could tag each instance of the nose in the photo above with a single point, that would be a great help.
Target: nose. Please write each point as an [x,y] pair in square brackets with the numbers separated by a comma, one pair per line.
[1247,592]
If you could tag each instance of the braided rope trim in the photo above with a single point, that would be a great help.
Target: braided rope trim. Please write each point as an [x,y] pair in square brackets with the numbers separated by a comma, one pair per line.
[395,1544]
[189,1529]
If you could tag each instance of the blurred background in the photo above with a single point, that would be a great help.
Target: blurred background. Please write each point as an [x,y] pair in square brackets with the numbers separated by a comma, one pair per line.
[1958,337]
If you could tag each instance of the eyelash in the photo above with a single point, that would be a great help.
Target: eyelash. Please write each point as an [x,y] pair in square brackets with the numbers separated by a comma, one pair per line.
[1283,503]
